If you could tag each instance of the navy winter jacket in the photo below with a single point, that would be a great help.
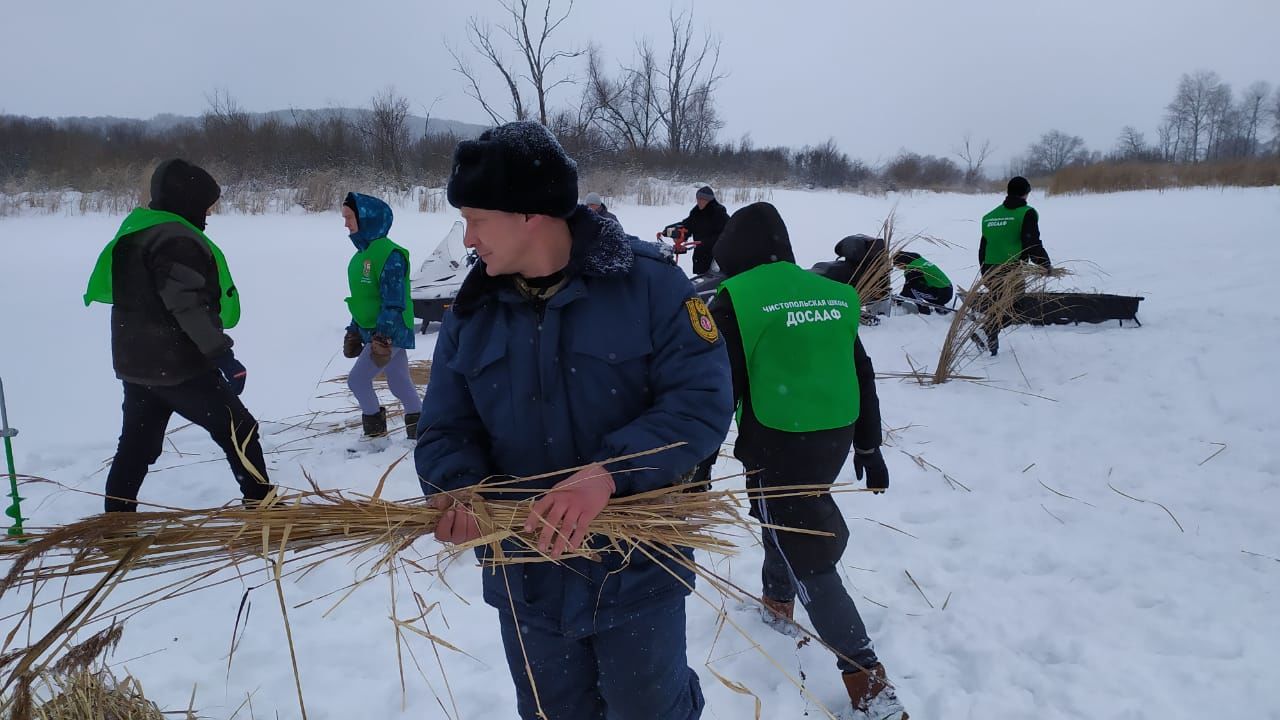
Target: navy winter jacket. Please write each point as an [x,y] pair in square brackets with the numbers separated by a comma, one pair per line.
[613,364]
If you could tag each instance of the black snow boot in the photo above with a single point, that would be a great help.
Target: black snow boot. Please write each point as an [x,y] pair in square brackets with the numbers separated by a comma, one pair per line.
[375,425]
[411,425]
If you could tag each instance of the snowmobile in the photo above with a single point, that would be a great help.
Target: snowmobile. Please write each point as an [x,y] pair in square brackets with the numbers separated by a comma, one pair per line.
[440,276]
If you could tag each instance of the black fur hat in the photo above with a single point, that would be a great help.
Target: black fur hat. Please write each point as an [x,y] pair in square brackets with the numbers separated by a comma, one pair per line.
[518,167]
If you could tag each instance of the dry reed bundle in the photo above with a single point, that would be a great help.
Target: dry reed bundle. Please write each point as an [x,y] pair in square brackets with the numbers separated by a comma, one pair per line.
[190,549]
[75,688]
[874,272]
[84,695]
[998,304]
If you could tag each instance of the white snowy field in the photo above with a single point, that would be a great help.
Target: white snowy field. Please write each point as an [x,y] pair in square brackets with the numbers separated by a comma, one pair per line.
[1030,603]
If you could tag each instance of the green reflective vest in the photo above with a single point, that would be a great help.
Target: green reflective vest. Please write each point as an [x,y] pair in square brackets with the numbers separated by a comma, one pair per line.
[364,274]
[933,277]
[140,219]
[798,331]
[1002,228]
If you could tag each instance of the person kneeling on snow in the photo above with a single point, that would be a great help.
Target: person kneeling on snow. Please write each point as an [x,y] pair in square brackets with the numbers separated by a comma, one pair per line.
[805,392]
[924,282]
[172,300]
[381,326]
[570,344]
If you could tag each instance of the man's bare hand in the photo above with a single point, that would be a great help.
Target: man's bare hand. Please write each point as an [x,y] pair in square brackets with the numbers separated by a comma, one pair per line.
[457,522]
[567,509]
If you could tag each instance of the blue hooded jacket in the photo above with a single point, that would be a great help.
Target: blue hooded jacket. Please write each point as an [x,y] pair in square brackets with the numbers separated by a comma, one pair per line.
[617,362]
[373,218]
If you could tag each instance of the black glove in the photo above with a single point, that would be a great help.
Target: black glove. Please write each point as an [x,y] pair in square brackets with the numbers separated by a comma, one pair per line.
[871,462]
[352,344]
[232,371]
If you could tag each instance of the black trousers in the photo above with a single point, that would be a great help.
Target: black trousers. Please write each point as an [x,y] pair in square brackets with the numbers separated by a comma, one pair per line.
[799,565]
[702,257]
[205,400]
[993,278]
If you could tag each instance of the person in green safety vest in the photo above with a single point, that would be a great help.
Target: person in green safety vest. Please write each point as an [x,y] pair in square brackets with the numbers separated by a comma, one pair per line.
[381,328]
[805,393]
[172,300]
[923,282]
[1010,235]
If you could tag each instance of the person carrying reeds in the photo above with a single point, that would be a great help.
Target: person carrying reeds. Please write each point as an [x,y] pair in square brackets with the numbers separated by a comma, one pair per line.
[805,393]
[381,328]
[1010,236]
[570,344]
[172,300]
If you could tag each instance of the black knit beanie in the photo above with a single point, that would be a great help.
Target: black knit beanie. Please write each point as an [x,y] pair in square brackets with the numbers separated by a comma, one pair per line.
[1019,186]
[183,189]
[518,167]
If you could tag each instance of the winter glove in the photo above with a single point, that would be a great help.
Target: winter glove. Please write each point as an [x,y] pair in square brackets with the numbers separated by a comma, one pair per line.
[380,350]
[871,462]
[567,509]
[232,371]
[352,344]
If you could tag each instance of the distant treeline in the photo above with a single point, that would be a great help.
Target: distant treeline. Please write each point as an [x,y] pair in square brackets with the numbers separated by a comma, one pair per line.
[1209,136]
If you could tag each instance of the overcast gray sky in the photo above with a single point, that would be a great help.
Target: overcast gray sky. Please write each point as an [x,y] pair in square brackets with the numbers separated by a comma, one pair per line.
[877,76]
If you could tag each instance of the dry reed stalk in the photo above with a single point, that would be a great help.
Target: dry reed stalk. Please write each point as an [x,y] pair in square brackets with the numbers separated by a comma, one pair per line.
[999,303]
[419,372]
[84,695]
[296,533]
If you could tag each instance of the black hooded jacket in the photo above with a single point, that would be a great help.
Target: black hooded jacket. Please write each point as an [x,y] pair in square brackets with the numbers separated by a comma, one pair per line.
[756,235]
[706,224]
[1032,249]
[165,327]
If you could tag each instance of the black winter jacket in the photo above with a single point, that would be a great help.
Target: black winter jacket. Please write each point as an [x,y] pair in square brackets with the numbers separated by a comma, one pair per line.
[165,327]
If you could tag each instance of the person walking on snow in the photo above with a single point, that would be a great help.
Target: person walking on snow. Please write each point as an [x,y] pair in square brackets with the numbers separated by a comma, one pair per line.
[570,343]
[705,222]
[381,328]
[1010,237]
[805,392]
[172,300]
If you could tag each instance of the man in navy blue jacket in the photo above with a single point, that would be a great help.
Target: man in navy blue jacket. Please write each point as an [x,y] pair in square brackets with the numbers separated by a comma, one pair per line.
[571,343]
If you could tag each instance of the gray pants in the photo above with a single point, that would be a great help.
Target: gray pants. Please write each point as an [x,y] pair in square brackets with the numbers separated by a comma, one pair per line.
[360,381]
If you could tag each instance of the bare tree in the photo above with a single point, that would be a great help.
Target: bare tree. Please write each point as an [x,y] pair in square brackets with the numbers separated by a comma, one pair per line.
[973,155]
[1131,145]
[386,129]
[1253,109]
[1192,112]
[685,99]
[535,59]
[1054,151]
[1275,122]
[1168,140]
[1222,120]
[624,109]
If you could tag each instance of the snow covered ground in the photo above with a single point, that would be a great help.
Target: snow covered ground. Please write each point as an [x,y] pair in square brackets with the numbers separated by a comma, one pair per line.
[1030,603]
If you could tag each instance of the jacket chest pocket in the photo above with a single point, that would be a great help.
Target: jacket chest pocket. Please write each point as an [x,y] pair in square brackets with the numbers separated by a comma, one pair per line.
[483,360]
[612,362]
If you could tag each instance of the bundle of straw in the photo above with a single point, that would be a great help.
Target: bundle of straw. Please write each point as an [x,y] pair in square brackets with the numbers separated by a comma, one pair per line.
[998,305]
[83,695]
